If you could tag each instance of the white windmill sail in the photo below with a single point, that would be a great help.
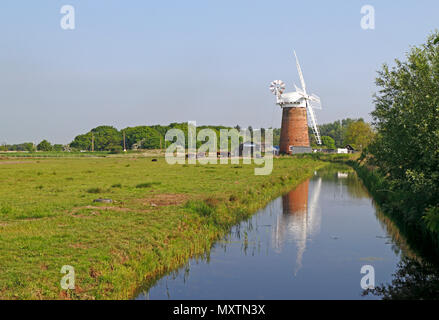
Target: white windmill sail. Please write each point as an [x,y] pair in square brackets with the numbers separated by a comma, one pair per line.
[302,81]
[314,127]
[299,98]
[309,107]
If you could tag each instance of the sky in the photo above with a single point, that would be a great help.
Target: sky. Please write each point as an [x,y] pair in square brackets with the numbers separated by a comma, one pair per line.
[136,62]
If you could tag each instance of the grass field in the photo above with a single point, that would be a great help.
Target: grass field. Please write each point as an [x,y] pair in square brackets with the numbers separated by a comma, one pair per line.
[160,216]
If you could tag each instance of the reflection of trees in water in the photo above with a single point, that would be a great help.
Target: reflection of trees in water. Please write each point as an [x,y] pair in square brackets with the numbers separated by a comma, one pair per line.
[346,176]
[329,173]
[399,242]
[412,280]
[355,187]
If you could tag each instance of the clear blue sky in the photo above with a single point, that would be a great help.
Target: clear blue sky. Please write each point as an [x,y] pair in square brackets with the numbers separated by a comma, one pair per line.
[142,62]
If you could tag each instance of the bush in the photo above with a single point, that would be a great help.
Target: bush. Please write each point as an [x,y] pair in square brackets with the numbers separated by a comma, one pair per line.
[116,149]
[432,219]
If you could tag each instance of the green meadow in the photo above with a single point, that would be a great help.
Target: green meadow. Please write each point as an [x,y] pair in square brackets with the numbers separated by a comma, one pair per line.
[160,215]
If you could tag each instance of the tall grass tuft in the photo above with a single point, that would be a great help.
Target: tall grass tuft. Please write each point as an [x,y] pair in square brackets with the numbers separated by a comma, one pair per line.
[147,184]
[200,207]
[95,190]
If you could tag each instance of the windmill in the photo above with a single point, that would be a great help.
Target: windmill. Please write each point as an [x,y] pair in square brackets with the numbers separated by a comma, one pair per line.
[295,107]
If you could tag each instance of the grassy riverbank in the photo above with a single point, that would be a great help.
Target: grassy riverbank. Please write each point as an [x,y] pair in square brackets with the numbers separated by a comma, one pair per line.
[160,216]
[409,220]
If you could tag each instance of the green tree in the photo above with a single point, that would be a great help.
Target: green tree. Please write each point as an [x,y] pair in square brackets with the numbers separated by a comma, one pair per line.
[147,137]
[406,116]
[276,136]
[359,135]
[44,146]
[58,147]
[82,142]
[27,146]
[336,130]
[105,138]
[328,142]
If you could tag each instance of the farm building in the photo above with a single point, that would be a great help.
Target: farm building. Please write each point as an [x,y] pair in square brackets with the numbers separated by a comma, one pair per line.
[350,148]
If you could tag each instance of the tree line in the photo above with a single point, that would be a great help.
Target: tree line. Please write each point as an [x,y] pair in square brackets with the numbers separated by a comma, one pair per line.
[108,138]
[31,147]
[355,132]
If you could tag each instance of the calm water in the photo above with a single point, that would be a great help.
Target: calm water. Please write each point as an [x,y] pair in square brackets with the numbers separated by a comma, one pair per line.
[308,244]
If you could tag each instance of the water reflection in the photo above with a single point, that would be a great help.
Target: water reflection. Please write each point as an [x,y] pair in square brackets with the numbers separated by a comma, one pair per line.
[413,279]
[300,219]
[308,244]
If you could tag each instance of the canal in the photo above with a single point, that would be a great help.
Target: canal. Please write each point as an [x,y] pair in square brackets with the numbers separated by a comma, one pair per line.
[310,243]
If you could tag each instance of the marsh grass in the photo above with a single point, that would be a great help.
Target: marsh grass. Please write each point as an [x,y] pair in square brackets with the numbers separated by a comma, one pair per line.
[147,184]
[200,207]
[95,190]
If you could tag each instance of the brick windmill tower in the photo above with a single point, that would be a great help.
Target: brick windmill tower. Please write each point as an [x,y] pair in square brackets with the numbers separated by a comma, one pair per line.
[296,106]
